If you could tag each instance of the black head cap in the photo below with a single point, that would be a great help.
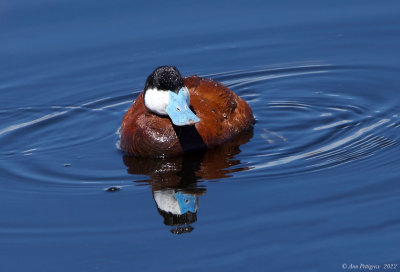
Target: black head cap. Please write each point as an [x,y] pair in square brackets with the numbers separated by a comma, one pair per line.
[165,78]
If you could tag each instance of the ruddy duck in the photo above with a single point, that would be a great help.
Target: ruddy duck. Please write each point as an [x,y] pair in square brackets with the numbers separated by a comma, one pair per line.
[175,115]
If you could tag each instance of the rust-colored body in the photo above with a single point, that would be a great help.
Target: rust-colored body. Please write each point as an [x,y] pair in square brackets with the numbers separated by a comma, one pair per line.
[222,115]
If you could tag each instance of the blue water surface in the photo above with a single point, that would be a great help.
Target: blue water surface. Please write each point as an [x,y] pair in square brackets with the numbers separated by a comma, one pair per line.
[313,187]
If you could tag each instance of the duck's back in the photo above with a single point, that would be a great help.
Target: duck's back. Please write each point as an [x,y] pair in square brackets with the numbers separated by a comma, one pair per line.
[222,115]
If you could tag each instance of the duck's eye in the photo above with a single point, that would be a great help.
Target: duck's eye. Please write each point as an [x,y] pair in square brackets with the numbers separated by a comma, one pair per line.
[178,108]
[187,200]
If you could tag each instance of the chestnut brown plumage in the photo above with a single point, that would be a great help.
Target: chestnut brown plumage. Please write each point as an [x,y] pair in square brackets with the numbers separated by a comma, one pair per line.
[222,114]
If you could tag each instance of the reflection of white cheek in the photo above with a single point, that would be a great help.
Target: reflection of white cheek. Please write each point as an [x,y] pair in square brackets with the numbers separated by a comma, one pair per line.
[166,201]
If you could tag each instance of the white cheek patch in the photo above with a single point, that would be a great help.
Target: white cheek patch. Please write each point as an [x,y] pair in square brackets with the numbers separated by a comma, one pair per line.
[157,101]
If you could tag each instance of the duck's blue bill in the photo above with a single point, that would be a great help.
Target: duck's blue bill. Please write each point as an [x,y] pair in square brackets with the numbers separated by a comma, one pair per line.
[187,202]
[179,111]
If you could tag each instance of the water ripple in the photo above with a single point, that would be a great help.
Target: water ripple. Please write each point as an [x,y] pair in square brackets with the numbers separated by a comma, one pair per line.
[302,127]
[307,120]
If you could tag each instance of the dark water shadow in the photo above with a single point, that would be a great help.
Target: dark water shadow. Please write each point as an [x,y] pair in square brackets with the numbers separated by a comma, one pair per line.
[176,182]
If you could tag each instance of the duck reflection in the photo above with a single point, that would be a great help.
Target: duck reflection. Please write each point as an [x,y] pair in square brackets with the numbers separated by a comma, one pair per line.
[176,182]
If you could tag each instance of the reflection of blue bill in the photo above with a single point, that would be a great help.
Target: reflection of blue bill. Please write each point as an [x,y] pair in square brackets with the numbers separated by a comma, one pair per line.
[187,202]
[179,111]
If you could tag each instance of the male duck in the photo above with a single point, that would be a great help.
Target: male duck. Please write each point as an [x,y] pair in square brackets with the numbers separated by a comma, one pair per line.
[175,115]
